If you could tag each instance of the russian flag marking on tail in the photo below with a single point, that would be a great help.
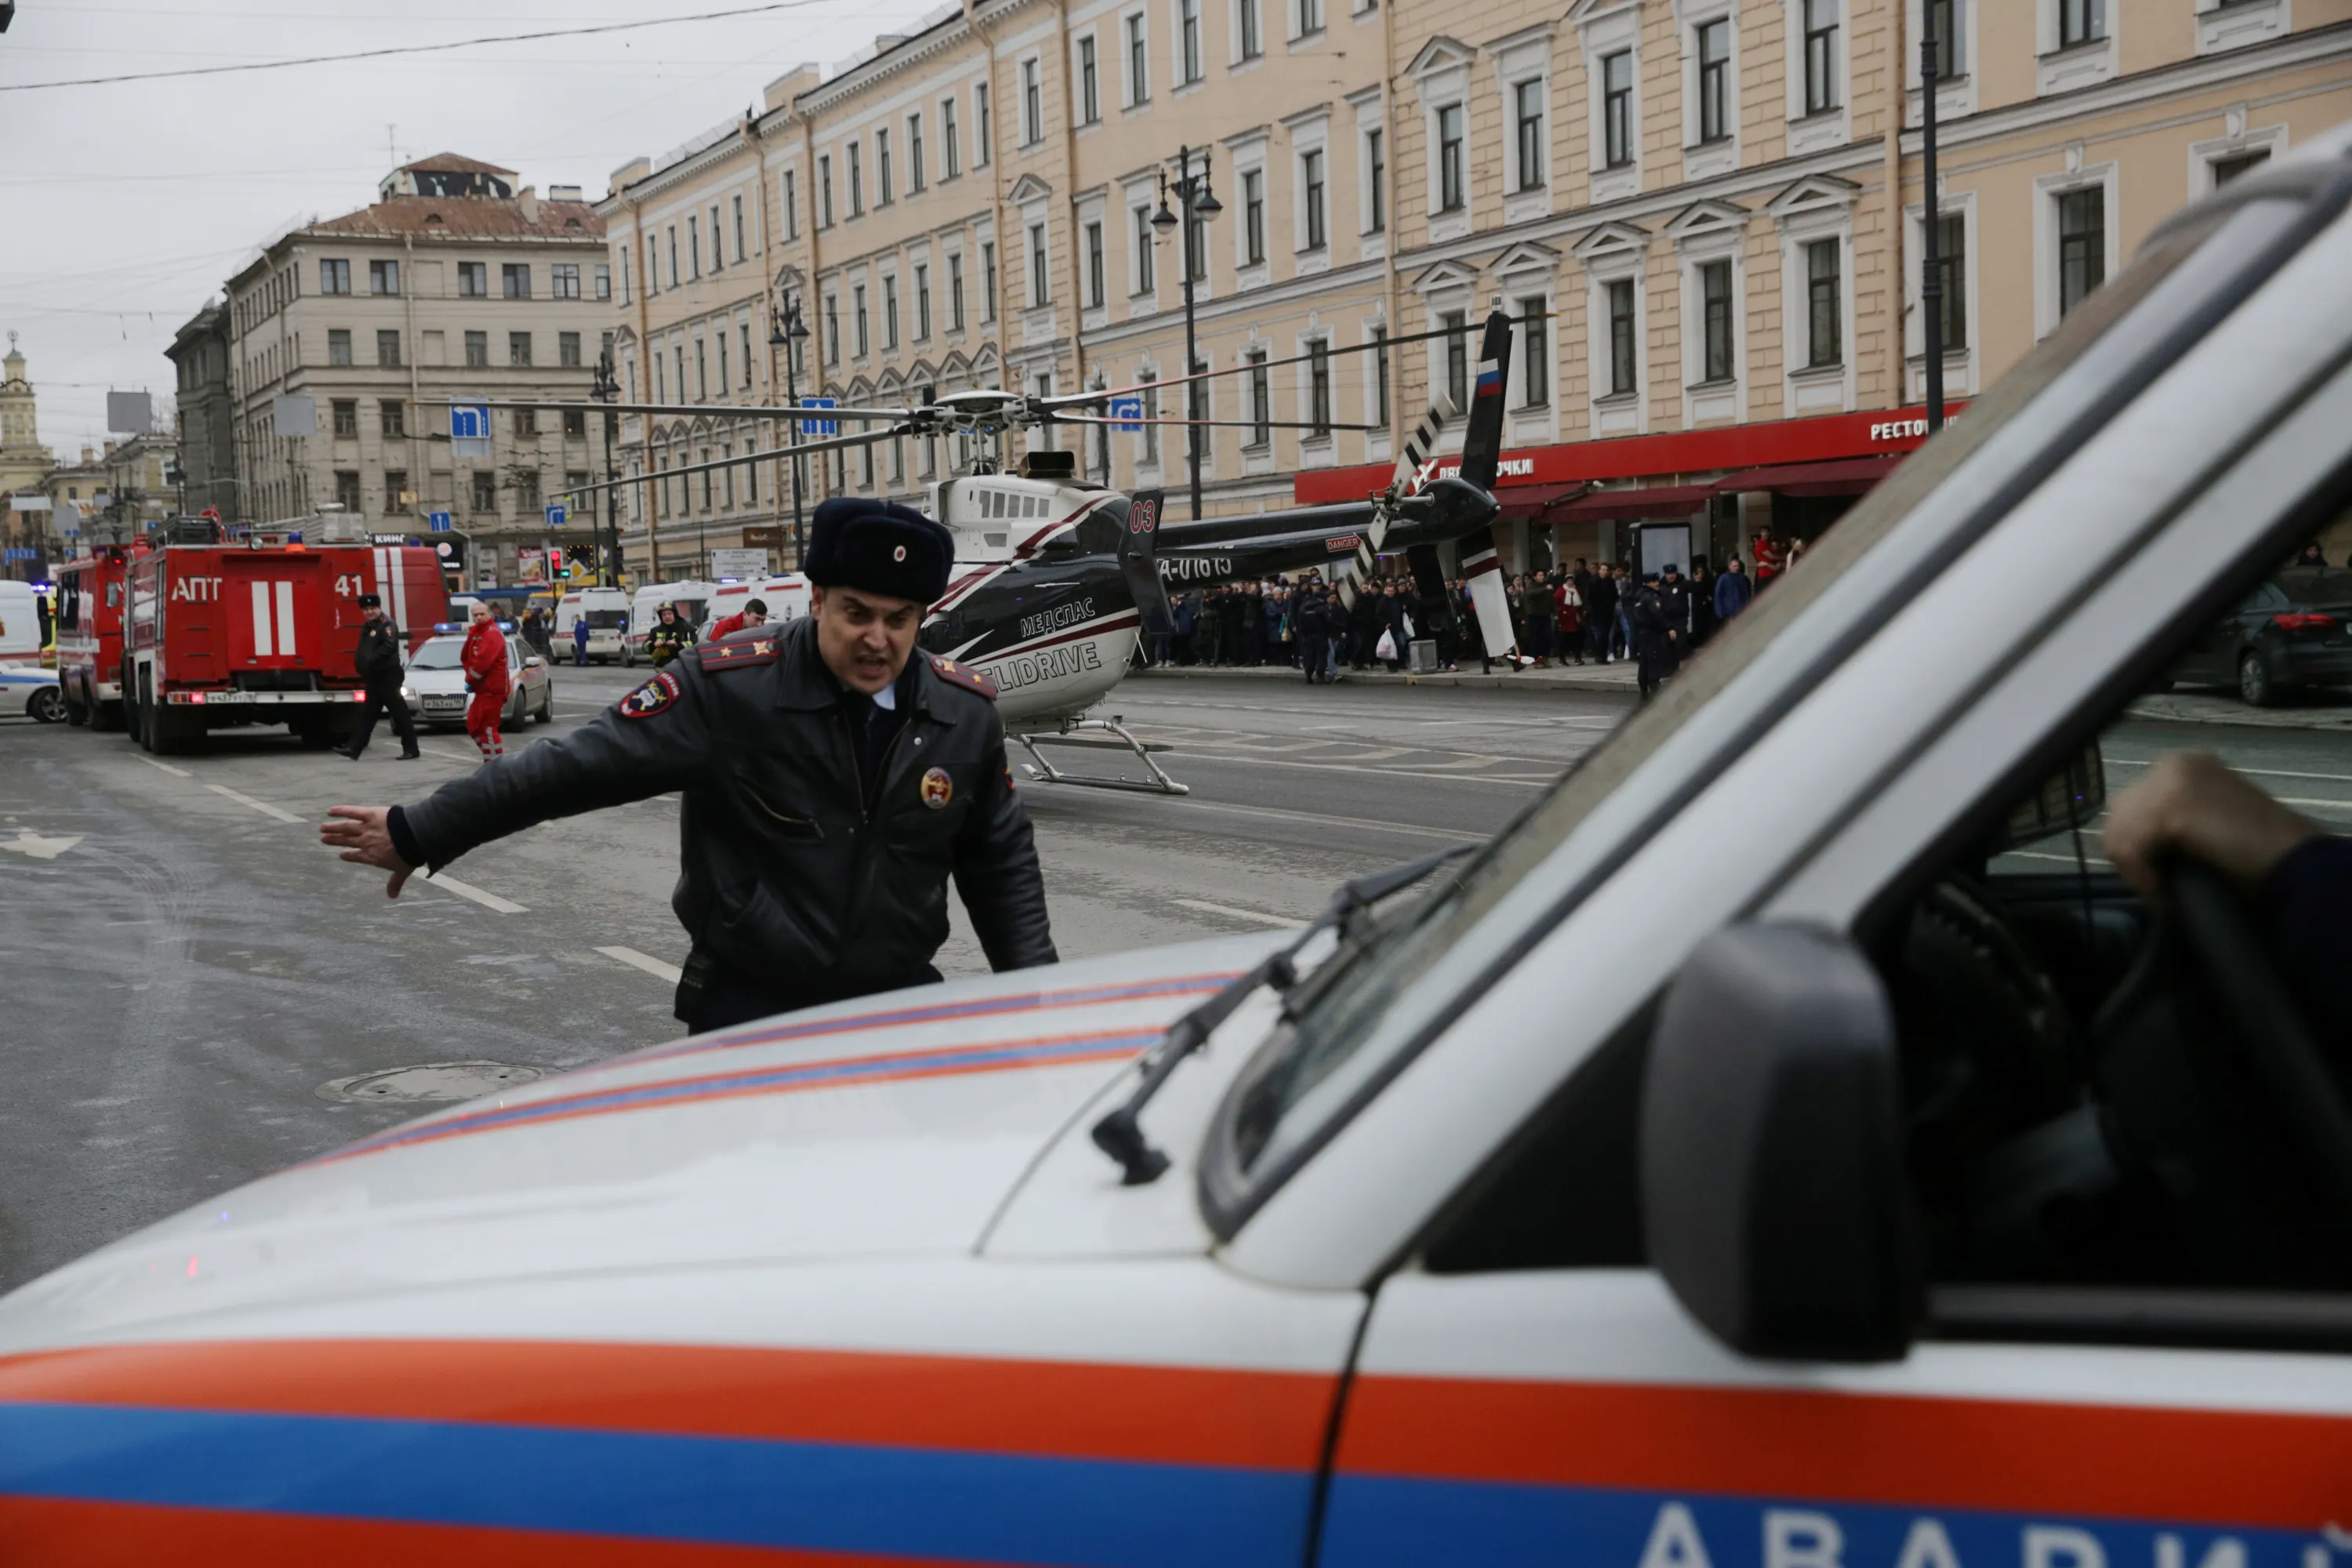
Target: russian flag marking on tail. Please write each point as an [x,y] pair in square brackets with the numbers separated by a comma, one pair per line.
[1490,380]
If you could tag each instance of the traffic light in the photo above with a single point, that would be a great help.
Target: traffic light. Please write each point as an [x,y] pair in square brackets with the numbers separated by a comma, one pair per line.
[556,566]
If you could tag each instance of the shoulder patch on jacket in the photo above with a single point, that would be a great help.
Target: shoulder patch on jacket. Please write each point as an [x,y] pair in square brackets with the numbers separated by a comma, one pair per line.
[655,696]
[963,675]
[738,650]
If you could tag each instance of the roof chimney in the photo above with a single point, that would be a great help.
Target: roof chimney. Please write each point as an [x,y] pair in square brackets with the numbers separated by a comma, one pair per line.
[529,199]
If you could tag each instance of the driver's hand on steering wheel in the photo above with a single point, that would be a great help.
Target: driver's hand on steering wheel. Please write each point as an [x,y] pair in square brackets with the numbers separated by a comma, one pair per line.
[2191,804]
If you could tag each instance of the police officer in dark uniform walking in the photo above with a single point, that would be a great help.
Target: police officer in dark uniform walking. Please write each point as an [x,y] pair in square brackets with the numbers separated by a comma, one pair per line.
[378,662]
[835,777]
[1654,642]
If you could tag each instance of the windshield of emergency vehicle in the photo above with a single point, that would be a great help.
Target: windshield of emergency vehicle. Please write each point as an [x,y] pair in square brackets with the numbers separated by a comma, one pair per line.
[441,653]
[1392,994]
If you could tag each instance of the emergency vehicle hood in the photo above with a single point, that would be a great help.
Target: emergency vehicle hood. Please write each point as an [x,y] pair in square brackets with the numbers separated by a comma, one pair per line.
[894,1126]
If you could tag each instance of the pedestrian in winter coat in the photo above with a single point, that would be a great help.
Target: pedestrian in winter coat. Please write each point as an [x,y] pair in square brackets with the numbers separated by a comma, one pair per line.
[1599,613]
[1312,629]
[484,657]
[749,617]
[1568,601]
[1654,634]
[1733,590]
[1701,603]
[580,640]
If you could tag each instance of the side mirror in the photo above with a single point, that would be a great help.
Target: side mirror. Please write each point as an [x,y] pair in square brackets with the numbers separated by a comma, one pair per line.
[532,661]
[1773,1190]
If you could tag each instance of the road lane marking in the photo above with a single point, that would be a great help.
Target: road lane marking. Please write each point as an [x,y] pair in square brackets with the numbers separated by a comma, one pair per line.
[175,772]
[262,806]
[1203,904]
[635,959]
[1208,757]
[1194,803]
[34,847]
[490,901]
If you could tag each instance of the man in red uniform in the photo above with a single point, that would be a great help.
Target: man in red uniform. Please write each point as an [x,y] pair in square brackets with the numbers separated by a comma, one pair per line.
[484,658]
[754,613]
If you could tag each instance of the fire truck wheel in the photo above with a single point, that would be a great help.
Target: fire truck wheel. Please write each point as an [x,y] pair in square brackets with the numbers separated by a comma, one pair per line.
[171,733]
[76,712]
[106,716]
[46,706]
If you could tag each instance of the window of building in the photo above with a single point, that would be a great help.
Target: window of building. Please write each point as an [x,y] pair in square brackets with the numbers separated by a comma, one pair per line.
[474,278]
[575,428]
[983,145]
[1617,108]
[1951,276]
[1623,344]
[693,247]
[739,229]
[832,328]
[2082,245]
[702,371]
[792,208]
[387,348]
[857,314]
[563,280]
[1714,41]
[1527,130]
[744,331]
[392,418]
[1376,181]
[825,190]
[1253,216]
[516,279]
[1450,184]
[1947,16]
[2080,22]
[477,350]
[889,313]
[334,277]
[856,169]
[395,489]
[677,353]
[605,277]
[950,152]
[1188,40]
[1253,28]
[1310,17]
[346,413]
[1824,337]
[338,345]
[567,349]
[1261,399]
[885,190]
[384,277]
[1534,352]
[1821,55]
[1318,388]
[1089,83]
[1138,59]
[675,277]
[988,293]
[1315,210]
[485,492]
[1380,377]
[1715,315]
[526,423]
[922,301]
[955,292]
[526,489]
[517,348]
[1039,289]
[1096,285]
[1151,416]
[2228,169]
[1147,270]
[1456,324]
[347,489]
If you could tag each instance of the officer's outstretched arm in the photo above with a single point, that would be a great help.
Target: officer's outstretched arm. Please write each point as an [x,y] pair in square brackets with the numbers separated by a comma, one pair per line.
[654,739]
[996,869]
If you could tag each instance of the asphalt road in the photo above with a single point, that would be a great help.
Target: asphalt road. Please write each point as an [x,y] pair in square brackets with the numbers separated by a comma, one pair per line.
[190,974]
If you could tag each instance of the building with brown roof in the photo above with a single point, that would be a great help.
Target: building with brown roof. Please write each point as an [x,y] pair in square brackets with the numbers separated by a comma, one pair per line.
[347,337]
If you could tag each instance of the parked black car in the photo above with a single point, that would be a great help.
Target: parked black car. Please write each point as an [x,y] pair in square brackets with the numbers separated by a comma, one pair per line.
[2295,631]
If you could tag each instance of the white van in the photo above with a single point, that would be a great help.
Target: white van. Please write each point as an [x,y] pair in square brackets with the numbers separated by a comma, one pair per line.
[692,599]
[21,627]
[787,598]
[606,611]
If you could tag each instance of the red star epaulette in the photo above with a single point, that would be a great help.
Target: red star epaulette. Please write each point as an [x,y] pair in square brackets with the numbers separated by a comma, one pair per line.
[963,674]
[736,652]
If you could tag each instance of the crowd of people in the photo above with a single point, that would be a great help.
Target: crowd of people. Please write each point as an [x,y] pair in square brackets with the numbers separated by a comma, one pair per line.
[1585,613]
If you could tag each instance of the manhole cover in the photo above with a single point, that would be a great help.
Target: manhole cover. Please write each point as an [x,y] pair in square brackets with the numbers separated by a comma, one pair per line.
[428,1081]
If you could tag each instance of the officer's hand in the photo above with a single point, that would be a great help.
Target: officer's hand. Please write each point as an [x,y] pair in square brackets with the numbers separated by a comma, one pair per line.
[362,835]
[2191,803]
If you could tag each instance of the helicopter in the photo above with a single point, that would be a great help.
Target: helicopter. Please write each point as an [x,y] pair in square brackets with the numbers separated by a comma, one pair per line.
[1055,578]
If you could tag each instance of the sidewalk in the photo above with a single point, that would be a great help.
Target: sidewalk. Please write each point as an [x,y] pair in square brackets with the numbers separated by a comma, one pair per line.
[1615,678]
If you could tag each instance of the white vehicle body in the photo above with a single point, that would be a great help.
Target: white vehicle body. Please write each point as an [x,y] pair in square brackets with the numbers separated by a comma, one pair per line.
[28,691]
[787,598]
[20,622]
[608,610]
[857,1284]
[434,683]
[645,611]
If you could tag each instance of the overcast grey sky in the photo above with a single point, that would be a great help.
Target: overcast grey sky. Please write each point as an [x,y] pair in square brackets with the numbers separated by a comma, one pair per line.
[124,208]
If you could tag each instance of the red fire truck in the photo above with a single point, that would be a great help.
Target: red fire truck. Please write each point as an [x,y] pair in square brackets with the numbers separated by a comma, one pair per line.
[261,630]
[90,591]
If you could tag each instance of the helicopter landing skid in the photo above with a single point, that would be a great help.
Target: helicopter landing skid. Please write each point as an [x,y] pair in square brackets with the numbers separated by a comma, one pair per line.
[1081,733]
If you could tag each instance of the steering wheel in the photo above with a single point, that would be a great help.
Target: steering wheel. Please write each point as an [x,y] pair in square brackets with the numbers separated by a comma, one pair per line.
[2278,1041]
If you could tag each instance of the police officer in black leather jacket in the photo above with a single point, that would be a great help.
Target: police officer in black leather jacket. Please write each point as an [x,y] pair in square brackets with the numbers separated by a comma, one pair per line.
[835,777]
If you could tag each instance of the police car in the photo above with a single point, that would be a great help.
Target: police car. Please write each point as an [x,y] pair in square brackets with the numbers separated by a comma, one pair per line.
[29,691]
[1875,1188]
[434,683]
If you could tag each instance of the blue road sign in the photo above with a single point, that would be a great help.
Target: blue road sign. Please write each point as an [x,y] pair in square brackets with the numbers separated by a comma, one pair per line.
[437,522]
[821,426]
[555,514]
[1128,412]
[469,422]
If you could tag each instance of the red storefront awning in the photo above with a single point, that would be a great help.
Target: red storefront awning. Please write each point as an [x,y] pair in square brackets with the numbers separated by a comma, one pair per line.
[1655,500]
[1539,503]
[1842,477]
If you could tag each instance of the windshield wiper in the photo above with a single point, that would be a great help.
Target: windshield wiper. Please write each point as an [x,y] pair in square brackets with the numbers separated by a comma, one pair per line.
[1120,1135]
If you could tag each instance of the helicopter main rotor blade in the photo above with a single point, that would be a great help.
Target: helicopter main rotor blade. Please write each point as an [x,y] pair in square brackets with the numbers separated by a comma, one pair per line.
[1118,424]
[1067,398]
[682,410]
[773,454]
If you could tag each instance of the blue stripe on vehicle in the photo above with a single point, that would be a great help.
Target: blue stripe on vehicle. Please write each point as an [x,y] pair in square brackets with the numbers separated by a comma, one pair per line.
[907,1502]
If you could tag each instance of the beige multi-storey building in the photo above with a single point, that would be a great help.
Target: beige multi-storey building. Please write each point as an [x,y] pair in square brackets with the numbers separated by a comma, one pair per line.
[1707,216]
[452,284]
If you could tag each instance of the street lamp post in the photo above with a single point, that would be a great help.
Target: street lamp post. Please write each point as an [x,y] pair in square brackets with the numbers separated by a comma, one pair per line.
[786,330]
[1200,204]
[605,389]
[1931,279]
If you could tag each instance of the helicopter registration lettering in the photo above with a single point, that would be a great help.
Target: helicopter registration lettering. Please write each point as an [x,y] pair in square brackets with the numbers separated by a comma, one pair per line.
[1054,619]
[1191,567]
[1048,664]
